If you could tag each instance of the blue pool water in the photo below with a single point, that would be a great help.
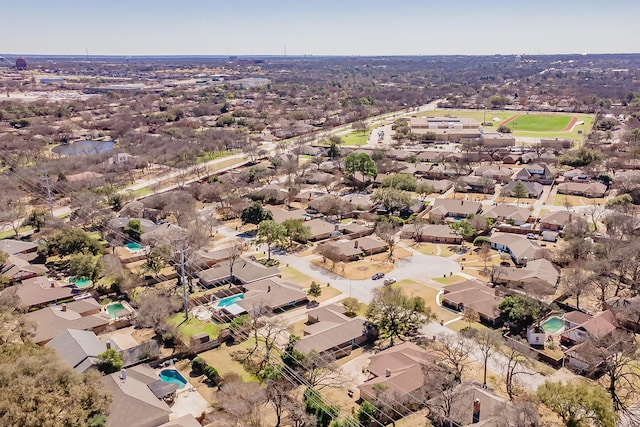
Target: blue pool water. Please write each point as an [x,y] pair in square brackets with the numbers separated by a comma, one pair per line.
[552,325]
[82,282]
[133,246]
[173,376]
[227,301]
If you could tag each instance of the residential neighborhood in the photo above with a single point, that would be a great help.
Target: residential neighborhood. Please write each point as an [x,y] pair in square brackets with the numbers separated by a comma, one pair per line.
[330,242]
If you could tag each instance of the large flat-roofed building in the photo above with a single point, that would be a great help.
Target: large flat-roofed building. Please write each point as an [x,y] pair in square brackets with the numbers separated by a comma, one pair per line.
[446,128]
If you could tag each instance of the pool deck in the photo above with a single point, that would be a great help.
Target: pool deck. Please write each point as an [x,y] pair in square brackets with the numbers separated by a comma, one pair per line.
[188,402]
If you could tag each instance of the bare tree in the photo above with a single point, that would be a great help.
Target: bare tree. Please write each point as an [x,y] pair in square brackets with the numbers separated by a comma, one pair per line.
[455,352]
[517,364]
[488,342]
[320,371]
[388,232]
[241,402]
[234,252]
[577,281]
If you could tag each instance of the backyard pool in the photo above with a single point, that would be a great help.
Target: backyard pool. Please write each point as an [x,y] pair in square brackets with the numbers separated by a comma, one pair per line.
[227,301]
[553,325]
[82,282]
[133,246]
[172,376]
[116,310]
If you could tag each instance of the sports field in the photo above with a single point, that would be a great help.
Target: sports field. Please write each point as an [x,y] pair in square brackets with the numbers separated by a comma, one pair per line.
[537,122]
[532,124]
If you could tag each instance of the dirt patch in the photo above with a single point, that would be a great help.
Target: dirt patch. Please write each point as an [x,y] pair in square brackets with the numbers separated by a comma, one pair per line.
[358,270]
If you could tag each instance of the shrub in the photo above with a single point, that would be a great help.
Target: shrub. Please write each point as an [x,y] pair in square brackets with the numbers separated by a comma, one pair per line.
[211,373]
[478,241]
[198,365]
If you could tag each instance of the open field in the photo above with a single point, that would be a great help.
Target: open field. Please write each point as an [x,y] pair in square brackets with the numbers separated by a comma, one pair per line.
[535,127]
[567,199]
[538,122]
[193,326]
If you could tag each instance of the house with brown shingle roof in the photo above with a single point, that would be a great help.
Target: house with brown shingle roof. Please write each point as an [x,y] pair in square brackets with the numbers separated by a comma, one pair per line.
[557,220]
[501,174]
[40,291]
[447,208]
[436,233]
[16,269]
[582,327]
[269,295]
[85,315]
[504,212]
[14,247]
[330,331]
[476,296]
[586,189]
[535,172]
[398,370]
[537,277]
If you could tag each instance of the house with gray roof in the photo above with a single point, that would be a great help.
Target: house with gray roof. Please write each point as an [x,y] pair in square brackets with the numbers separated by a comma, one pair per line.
[330,331]
[79,349]
[535,172]
[244,271]
[557,220]
[14,247]
[504,212]
[270,295]
[539,277]
[520,248]
[533,189]
[16,268]
[498,173]
[476,296]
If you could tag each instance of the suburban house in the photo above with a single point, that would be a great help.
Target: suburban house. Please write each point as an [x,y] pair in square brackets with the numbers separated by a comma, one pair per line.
[627,311]
[163,234]
[577,175]
[281,213]
[520,248]
[15,247]
[472,405]
[399,370]
[501,174]
[586,189]
[79,349]
[244,271]
[40,291]
[269,295]
[580,327]
[451,208]
[330,331]
[355,231]
[85,314]
[475,184]
[351,250]
[538,276]
[321,229]
[432,156]
[533,189]
[535,172]
[504,212]
[435,233]
[16,268]
[440,185]
[118,224]
[139,399]
[475,295]
[556,221]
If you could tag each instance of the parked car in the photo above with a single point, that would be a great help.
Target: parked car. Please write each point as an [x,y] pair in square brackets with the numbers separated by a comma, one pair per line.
[377,276]
[389,281]
[532,236]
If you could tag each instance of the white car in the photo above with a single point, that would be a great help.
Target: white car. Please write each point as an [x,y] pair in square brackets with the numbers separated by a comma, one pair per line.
[389,281]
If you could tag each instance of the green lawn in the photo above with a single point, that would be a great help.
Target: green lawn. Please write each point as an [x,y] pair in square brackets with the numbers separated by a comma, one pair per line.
[193,326]
[141,192]
[448,280]
[539,122]
[10,233]
[212,155]
[353,139]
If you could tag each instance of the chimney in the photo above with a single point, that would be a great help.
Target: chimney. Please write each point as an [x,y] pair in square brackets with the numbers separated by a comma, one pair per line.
[355,244]
[387,373]
[269,288]
[64,307]
[476,411]
[108,343]
[52,284]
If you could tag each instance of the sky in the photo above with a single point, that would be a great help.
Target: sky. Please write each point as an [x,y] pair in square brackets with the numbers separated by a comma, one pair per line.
[328,27]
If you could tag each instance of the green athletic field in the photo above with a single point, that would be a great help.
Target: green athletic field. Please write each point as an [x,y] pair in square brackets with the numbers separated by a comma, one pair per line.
[537,123]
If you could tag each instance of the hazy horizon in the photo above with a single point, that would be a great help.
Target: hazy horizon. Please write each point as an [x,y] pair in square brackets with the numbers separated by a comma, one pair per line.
[330,28]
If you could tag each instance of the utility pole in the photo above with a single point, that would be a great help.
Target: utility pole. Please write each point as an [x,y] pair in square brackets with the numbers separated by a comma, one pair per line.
[46,184]
[182,278]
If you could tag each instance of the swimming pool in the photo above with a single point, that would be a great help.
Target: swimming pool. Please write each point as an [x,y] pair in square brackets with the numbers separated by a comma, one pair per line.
[114,308]
[553,325]
[227,301]
[82,282]
[172,376]
[133,246]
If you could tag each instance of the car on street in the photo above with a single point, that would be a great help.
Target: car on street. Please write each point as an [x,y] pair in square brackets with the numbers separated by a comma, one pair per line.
[532,236]
[389,281]
[377,276]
